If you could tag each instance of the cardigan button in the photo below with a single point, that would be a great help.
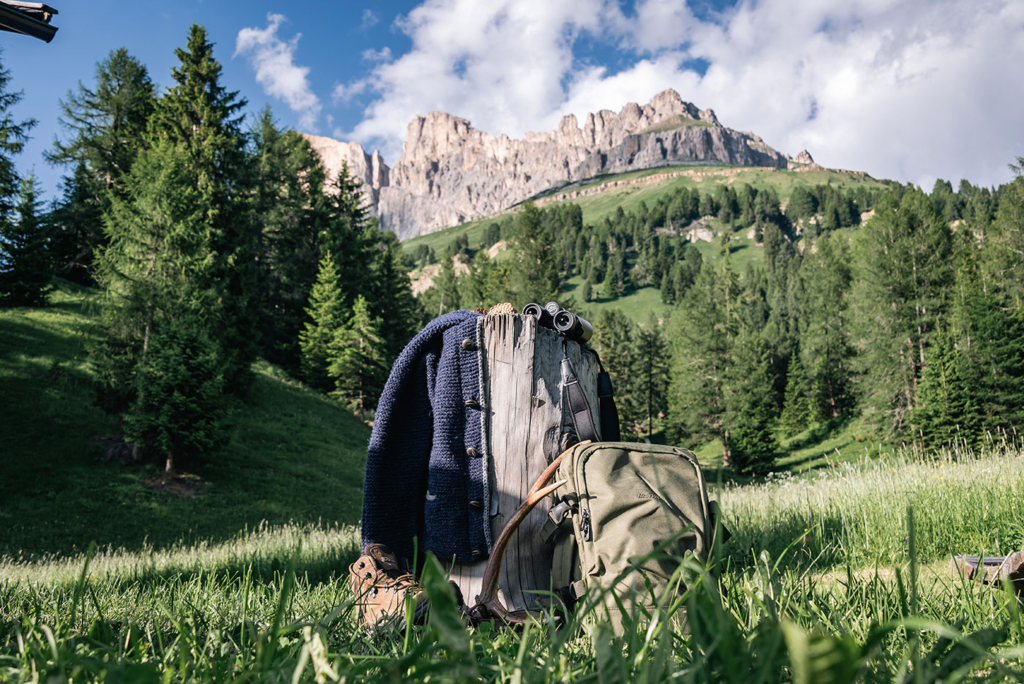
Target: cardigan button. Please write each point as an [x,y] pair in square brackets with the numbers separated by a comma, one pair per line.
[472,403]
[476,504]
[468,344]
[473,452]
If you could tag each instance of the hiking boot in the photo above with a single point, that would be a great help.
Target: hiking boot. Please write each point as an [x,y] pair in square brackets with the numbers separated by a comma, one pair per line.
[380,586]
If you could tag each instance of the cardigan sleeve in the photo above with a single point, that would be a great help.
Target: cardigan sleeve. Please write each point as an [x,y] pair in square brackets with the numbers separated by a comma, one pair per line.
[400,445]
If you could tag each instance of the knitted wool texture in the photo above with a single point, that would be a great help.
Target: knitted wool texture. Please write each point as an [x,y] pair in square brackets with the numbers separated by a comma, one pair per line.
[420,480]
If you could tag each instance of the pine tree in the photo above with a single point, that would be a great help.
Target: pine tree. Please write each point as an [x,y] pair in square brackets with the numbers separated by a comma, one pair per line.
[291,209]
[651,370]
[390,290]
[796,414]
[182,253]
[1006,236]
[946,411]
[106,126]
[346,232]
[25,267]
[105,130]
[751,408]
[902,271]
[179,409]
[325,316]
[668,285]
[826,276]
[992,359]
[446,289]
[587,291]
[614,278]
[201,121]
[358,361]
[534,274]
[156,268]
[616,337]
[13,135]
[77,227]
[704,328]
[485,284]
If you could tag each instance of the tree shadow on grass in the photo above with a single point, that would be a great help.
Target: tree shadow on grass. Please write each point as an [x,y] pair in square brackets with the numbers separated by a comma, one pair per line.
[815,456]
[805,540]
[818,433]
[293,456]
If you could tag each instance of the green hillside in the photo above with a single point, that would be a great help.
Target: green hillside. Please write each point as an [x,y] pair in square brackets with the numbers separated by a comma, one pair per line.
[596,207]
[630,192]
[294,456]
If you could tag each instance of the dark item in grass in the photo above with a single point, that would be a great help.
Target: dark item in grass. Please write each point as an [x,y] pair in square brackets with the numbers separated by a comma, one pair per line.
[992,569]
[118,450]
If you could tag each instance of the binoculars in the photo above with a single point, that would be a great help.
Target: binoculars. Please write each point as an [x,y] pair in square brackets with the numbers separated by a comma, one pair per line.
[554,317]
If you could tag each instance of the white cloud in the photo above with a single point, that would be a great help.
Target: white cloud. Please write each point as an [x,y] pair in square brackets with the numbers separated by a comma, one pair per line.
[906,89]
[499,64]
[274,62]
[343,92]
[382,55]
[370,19]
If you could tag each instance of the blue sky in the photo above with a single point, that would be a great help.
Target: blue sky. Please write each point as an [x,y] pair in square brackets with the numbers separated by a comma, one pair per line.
[905,89]
[333,38]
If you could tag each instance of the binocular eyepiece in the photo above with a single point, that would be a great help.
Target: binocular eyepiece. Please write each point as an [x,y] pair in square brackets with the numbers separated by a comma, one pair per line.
[554,317]
[574,327]
[543,314]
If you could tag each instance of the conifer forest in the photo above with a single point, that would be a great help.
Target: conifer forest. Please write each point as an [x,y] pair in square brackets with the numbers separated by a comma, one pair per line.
[218,239]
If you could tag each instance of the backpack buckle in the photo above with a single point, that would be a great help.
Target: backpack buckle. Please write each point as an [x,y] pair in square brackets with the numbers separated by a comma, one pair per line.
[559,512]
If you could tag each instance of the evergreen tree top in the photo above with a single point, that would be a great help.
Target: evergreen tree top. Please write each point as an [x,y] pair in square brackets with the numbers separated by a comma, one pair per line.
[13,135]
[105,123]
[197,111]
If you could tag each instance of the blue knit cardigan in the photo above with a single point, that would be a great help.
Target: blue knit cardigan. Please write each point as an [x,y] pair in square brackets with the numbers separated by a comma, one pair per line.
[426,467]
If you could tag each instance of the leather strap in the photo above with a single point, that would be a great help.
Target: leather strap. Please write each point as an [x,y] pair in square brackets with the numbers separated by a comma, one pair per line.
[579,407]
[609,412]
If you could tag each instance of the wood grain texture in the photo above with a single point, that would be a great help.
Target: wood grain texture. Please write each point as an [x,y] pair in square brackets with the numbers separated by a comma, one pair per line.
[526,429]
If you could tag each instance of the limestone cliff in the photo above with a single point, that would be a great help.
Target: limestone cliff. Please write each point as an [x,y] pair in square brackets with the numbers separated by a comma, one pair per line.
[450,172]
[369,169]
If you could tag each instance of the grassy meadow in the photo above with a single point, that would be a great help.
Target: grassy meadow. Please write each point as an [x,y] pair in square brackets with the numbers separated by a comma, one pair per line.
[825,580]
[838,568]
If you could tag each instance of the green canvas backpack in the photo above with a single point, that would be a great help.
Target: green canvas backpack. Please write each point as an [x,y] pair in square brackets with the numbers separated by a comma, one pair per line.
[626,516]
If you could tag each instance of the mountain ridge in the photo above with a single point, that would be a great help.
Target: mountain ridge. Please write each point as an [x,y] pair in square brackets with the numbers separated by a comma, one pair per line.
[450,172]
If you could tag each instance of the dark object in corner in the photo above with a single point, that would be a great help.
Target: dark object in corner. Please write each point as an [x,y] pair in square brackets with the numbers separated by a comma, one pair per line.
[992,569]
[28,18]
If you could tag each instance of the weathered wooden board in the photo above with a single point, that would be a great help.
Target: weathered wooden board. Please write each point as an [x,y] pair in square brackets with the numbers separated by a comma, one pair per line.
[526,430]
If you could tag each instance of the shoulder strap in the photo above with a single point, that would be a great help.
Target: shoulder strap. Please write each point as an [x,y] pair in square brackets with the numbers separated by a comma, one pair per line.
[579,407]
[609,412]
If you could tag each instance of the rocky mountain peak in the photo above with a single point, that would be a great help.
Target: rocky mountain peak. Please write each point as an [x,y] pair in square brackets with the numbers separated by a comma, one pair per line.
[450,172]
[804,157]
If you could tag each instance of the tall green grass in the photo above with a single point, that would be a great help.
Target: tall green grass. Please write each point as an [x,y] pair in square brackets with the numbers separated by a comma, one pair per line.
[853,513]
[802,600]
